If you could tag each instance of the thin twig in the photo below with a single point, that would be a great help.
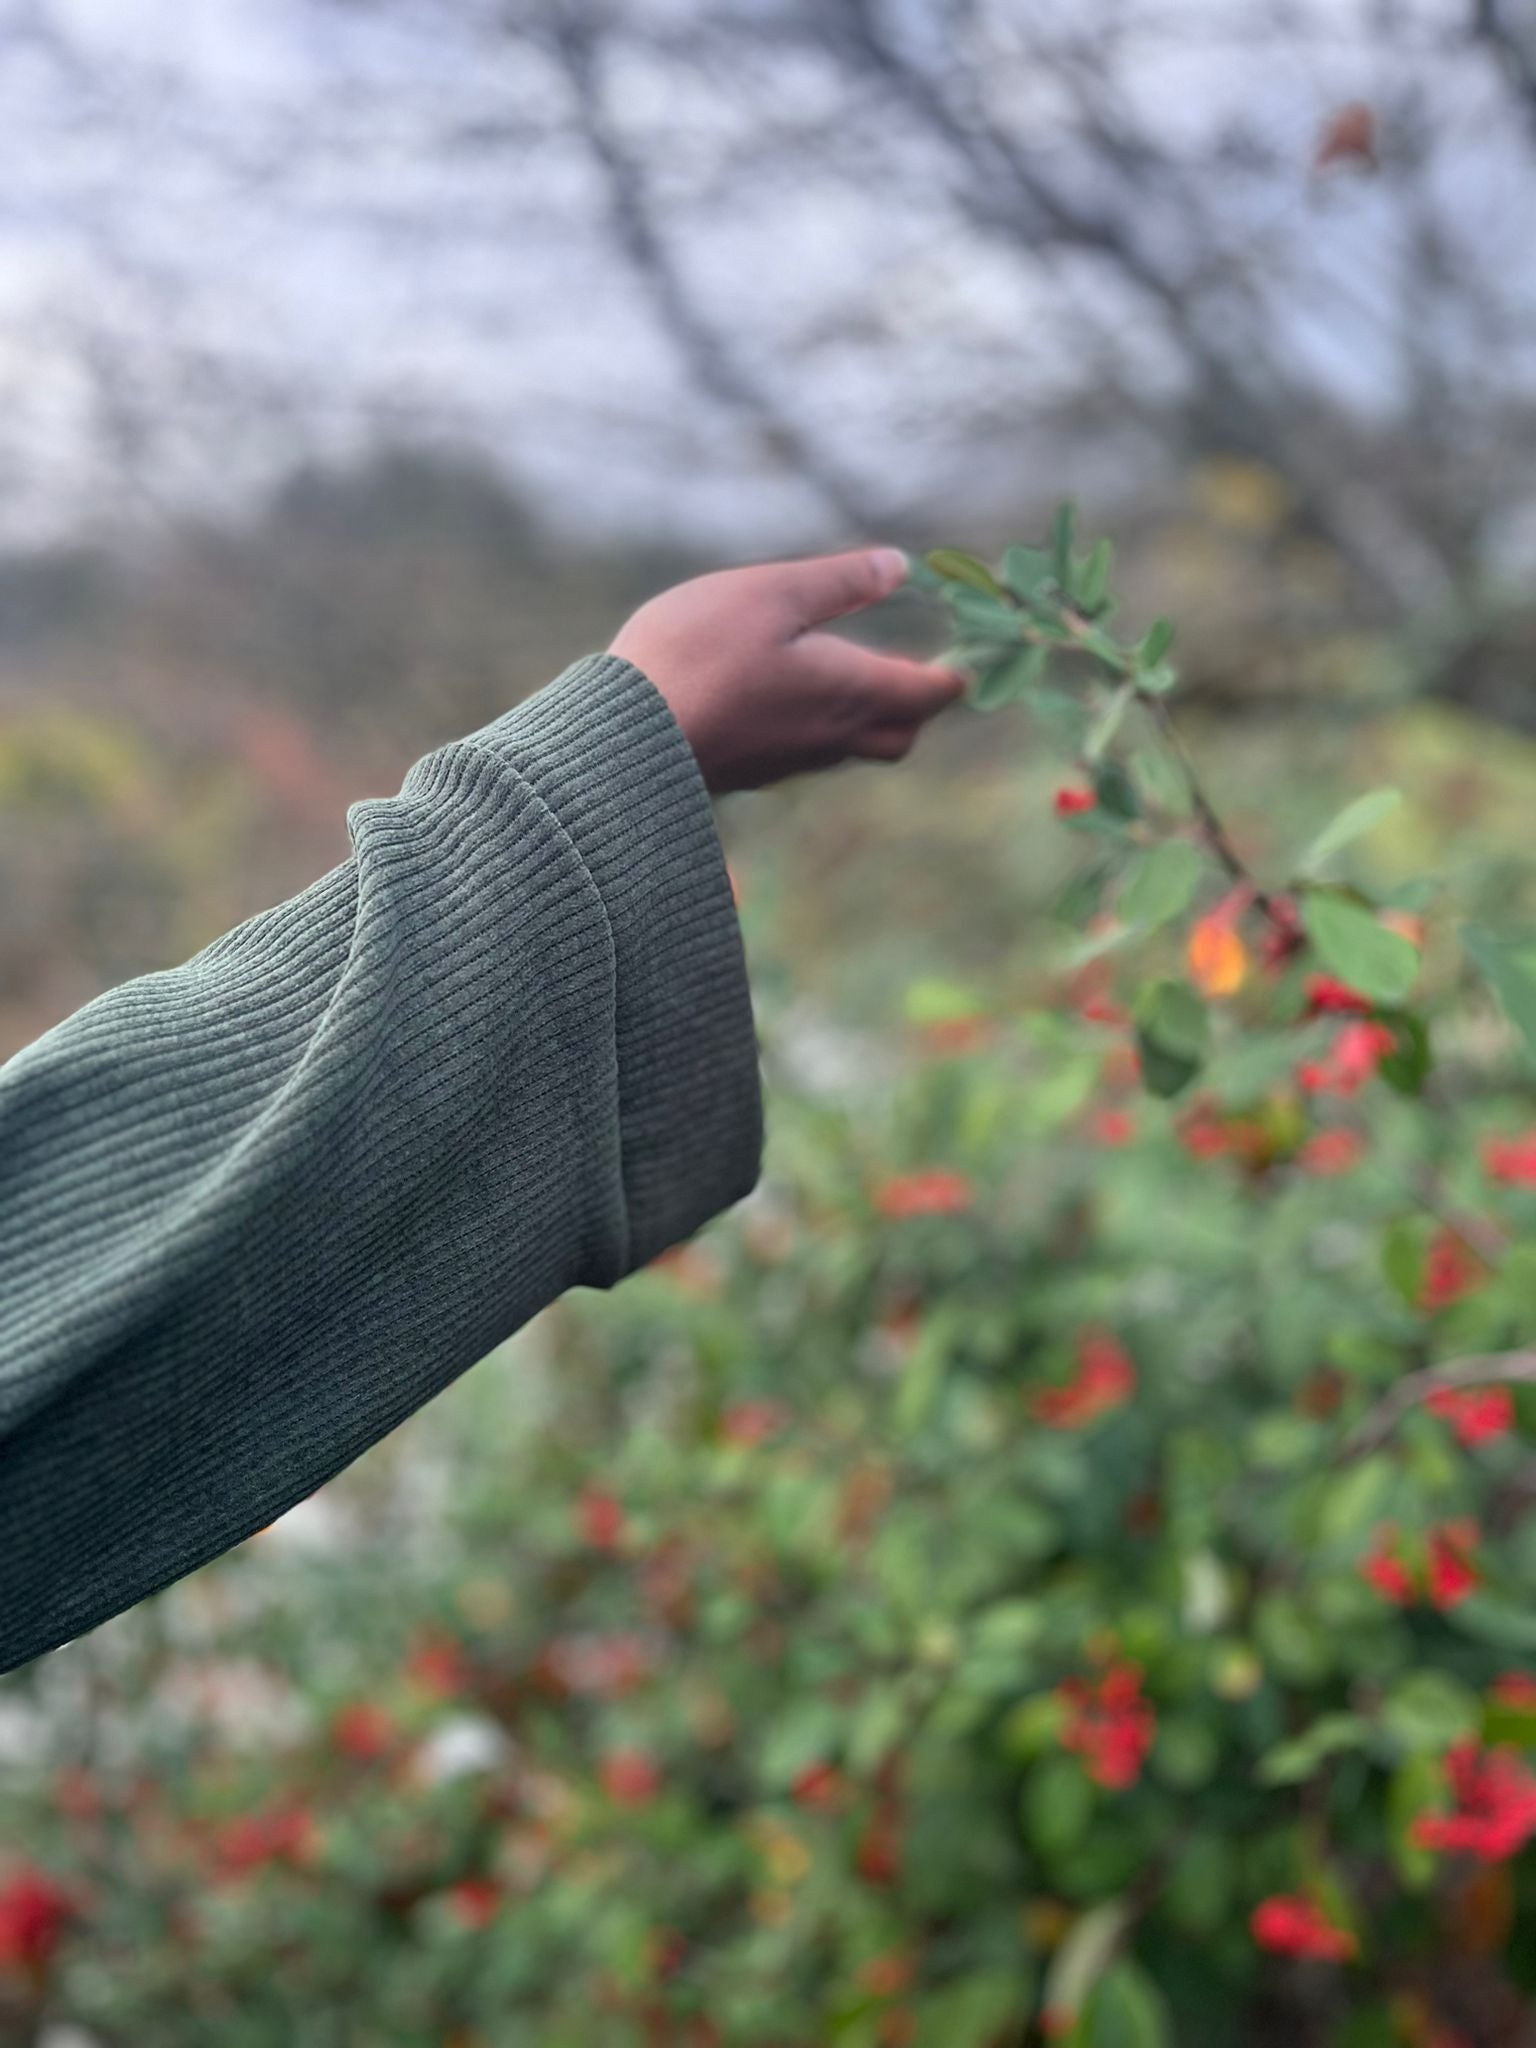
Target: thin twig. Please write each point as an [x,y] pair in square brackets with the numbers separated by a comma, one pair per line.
[1494,1369]
[1214,830]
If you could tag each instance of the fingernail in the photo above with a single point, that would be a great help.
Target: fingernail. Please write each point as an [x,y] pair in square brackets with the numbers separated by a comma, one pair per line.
[890,566]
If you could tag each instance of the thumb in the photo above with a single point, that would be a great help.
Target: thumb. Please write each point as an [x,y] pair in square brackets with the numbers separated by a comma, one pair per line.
[828,586]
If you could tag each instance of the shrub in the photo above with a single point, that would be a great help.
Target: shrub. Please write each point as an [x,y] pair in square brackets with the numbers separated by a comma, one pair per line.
[1054,1565]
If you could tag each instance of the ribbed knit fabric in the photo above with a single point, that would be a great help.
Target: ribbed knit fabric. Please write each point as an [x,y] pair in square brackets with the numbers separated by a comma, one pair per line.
[257,1210]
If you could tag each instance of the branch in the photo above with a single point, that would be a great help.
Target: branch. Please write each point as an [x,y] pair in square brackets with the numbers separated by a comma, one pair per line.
[704,349]
[1211,824]
[1514,58]
[1494,1369]
[1213,827]
[1009,197]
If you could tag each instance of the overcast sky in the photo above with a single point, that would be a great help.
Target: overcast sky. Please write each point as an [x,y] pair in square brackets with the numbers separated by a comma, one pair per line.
[237,231]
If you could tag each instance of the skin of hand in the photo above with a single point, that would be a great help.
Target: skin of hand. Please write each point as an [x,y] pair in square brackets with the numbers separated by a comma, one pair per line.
[759,692]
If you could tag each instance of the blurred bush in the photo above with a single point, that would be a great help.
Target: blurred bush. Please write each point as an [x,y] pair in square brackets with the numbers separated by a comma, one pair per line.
[1006,1582]
[964,1587]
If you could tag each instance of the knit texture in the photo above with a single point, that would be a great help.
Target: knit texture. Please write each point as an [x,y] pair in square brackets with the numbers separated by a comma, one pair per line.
[256,1210]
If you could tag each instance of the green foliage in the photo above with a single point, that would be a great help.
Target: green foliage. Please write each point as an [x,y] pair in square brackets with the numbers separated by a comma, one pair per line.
[1352,823]
[960,1596]
[1510,966]
[1352,943]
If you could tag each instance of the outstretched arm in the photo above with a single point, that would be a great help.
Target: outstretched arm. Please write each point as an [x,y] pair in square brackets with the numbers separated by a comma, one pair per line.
[256,1210]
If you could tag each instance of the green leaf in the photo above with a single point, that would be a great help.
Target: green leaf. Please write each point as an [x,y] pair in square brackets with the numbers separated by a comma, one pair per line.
[1355,1500]
[1084,1956]
[1353,822]
[1417,1787]
[806,1734]
[1199,1886]
[1509,965]
[1163,1073]
[1063,532]
[976,2012]
[1410,1062]
[1093,579]
[880,1722]
[1430,1710]
[981,620]
[1294,1762]
[920,575]
[1502,1723]
[1108,722]
[1187,1752]
[1057,1804]
[1372,2026]
[922,1377]
[1106,649]
[930,1000]
[1170,1012]
[1163,886]
[1125,2009]
[1404,1248]
[1381,964]
[1155,643]
[1007,681]
[1517,1278]
[1172,1035]
[1034,1726]
[1115,791]
[1496,1621]
[1025,570]
[1010,1625]
[1082,894]
[1293,1643]
[1157,681]
[955,566]
[1159,778]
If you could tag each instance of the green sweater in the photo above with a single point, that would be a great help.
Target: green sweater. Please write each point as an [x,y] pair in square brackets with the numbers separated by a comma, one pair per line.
[256,1210]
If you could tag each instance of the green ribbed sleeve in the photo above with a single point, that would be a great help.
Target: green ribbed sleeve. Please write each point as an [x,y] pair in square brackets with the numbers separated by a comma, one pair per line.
[256,1210]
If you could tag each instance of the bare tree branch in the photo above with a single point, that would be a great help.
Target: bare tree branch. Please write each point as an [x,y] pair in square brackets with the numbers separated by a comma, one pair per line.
[713,361]
[1515,55]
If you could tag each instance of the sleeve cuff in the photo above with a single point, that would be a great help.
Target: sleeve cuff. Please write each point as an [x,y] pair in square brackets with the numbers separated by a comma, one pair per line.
[602,750]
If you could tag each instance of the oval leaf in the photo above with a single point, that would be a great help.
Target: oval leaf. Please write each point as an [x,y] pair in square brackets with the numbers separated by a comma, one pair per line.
[1007,681]
[955,566]
[1353,822]
[1125,2009]
[1024,570]
[1170,1013]
[1381,964]
[980,617]
[1093,581]
[1163,886]
[1509,964]
[1155,643]
[1083,1956]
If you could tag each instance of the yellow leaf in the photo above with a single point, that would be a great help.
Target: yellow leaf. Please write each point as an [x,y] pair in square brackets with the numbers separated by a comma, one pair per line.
[1218,959]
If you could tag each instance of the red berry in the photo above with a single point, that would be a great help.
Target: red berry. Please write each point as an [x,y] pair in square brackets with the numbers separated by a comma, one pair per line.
[630,1777]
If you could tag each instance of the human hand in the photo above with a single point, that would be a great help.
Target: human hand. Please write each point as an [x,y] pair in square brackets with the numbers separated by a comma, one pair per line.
[759,693]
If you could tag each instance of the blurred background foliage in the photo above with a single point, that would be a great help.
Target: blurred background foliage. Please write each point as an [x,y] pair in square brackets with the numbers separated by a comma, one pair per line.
[367,361]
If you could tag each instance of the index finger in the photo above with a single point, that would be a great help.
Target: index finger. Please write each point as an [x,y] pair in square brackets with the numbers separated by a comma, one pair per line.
[897,688]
